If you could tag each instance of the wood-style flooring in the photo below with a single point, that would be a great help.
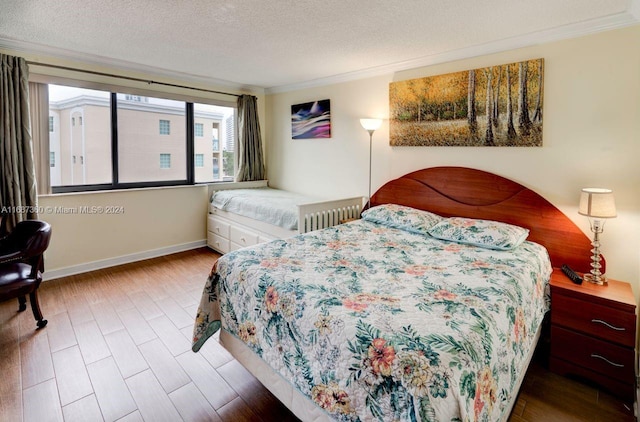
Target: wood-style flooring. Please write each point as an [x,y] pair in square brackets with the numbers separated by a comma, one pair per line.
[117,348]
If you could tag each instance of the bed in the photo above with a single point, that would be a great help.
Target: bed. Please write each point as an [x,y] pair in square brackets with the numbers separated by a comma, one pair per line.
[256,213]
[377,320]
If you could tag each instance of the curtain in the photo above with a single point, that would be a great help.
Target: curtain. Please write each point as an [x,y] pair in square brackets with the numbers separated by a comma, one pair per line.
[39,106]
[18,195]
[250,157]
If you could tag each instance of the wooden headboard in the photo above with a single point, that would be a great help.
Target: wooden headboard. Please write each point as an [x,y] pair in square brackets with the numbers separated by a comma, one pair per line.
[465,192]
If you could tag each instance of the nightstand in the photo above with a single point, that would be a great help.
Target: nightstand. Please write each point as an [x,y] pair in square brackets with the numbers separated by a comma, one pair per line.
[593,333]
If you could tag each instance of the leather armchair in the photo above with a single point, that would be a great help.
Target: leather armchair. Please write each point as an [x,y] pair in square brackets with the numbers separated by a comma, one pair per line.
[22,265]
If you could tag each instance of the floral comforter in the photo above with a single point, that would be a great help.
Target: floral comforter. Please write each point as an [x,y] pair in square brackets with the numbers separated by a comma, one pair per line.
[376,323]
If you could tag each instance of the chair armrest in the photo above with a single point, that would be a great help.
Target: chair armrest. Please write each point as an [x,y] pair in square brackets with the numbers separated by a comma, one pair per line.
[28,238]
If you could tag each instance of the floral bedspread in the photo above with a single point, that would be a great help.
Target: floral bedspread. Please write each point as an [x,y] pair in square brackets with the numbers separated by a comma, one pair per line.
[376,323]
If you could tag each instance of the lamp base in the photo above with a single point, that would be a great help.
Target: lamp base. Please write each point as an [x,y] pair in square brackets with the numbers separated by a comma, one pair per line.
[596,279]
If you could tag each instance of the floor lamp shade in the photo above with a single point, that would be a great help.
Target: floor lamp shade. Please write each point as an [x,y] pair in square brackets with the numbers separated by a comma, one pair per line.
[371,124]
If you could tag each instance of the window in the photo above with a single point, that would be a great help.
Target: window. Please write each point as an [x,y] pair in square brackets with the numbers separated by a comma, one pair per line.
[165,127]
[76,146]
[131,141]
[50,123]
[216,168]
[165,161]
[139,142]
[217,123]
[199,130]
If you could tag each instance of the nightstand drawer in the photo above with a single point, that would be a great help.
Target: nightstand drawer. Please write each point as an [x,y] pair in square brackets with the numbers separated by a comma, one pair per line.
[593,354]
[593,319]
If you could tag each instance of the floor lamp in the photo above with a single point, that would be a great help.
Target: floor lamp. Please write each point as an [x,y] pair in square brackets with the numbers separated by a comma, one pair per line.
[370,125]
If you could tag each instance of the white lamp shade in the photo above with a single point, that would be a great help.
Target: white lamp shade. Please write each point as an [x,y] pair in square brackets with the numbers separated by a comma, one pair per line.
[597,203]
[371,124]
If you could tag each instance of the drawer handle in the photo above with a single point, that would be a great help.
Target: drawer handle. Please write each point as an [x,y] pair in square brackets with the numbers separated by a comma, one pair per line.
[243,239]
[599,321]
[617,365]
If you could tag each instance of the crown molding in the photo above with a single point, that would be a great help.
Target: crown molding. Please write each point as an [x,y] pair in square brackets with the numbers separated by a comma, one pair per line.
[619,20]
[39,53]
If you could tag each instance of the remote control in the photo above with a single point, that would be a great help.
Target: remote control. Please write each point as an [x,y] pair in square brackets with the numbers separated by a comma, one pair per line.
[573,276]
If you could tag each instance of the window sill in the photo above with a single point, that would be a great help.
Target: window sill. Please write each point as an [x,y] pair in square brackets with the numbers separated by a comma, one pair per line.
[108,191]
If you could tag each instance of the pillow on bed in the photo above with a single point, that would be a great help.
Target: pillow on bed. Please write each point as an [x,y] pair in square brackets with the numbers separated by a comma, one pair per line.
[483,233]
[401,217]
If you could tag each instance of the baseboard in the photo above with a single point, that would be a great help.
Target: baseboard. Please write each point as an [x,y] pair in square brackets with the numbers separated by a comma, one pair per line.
[124,259]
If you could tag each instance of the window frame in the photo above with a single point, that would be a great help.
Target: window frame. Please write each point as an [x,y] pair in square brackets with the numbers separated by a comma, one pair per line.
[114,90]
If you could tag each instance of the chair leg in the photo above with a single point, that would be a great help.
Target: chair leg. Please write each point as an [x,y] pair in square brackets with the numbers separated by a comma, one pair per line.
[22,303]
[35,307]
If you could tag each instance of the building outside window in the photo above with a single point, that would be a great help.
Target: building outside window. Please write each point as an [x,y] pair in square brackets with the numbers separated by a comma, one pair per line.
[149,150]
[213,119]
[165,161]
[165,127]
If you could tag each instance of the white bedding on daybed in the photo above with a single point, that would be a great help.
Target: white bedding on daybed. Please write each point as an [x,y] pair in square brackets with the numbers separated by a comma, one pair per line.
[273,206]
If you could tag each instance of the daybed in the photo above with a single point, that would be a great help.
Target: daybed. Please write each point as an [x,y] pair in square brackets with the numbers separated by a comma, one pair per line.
[378,319]
[257,213]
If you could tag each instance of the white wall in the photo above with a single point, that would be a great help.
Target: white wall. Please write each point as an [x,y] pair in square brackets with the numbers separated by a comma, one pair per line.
[591,137]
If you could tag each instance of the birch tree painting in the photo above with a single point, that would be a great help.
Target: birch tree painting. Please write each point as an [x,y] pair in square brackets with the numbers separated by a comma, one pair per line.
[494,106]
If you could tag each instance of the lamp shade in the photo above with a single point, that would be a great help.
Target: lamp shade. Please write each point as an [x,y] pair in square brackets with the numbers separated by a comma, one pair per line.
[371,124]
[597,203]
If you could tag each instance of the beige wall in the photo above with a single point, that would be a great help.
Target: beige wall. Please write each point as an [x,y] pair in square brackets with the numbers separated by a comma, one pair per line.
[150,219]
[591,137]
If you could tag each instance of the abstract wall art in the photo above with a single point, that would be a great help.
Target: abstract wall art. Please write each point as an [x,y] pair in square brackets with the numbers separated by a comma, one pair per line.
[311,120]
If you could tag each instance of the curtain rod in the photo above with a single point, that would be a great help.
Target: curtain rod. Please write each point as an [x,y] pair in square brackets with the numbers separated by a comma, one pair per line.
[130,78]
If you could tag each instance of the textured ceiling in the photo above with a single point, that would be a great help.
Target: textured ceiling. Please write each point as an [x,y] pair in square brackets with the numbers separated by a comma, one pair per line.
[282,43]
